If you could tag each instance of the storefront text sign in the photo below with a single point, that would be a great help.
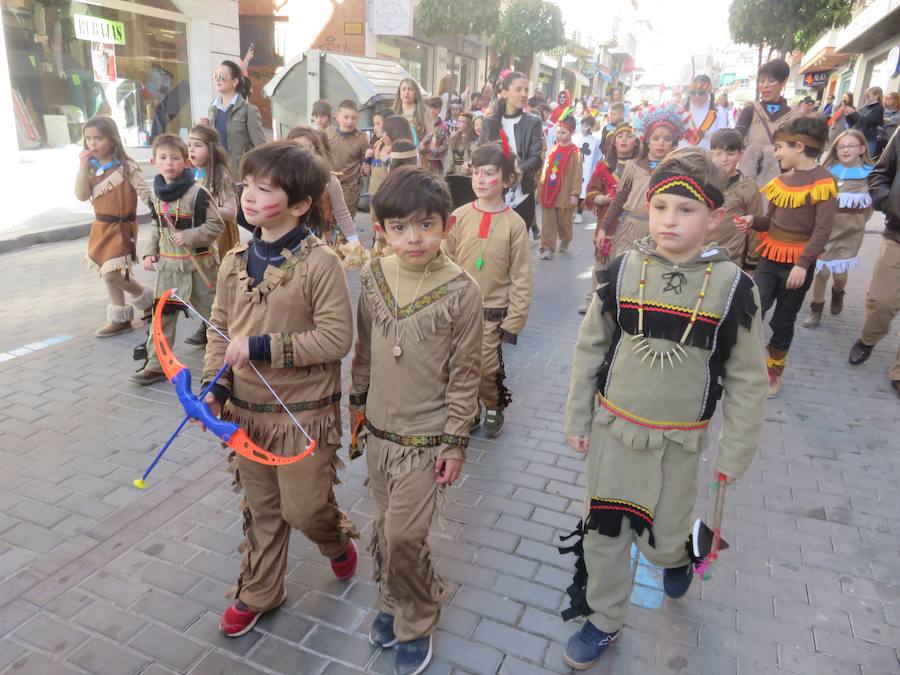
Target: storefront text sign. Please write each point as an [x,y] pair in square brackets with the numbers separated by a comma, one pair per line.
[95,29]
[392,17]
[817,79]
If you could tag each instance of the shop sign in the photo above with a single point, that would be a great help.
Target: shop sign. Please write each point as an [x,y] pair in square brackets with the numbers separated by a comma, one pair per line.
[556,51]
[95,29]
[589,70]
[817,79]
[392,17]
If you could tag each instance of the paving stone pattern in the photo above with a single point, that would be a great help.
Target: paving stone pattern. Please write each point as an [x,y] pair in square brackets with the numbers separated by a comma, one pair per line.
[97,577]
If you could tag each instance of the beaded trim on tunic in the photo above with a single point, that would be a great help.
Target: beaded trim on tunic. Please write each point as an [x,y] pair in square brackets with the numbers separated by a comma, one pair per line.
[416,305]
[293,407]
[415,441]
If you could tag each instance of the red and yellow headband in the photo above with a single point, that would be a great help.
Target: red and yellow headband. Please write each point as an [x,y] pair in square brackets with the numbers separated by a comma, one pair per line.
[685,186]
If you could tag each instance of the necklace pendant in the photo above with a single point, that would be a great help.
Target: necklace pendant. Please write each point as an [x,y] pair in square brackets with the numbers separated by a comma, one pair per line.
[479,263]
[99,171]
[397,351]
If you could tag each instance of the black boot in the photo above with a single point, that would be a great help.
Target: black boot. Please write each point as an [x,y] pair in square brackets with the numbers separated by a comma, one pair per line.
[859,353]
[198,339]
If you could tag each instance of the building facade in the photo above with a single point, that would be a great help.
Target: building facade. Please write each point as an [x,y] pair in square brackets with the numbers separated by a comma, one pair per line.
[148,64]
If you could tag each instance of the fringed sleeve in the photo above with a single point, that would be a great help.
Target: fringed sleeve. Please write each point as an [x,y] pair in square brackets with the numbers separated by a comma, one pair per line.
[360,370]
[332,336]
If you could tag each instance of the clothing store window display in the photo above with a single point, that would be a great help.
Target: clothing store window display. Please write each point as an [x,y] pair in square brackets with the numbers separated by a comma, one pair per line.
[701,116]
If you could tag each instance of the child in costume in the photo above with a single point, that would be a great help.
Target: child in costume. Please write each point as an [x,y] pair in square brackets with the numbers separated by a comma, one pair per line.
[559,189]
[348,146]
[415,376]
[741,197]
[601,191]
[626,218]
[337,229]
[283,300]
[113,182]
[795,230]
[490,241]
[211,171]
[849,162]
[589,145]
[673,327]
[182,242]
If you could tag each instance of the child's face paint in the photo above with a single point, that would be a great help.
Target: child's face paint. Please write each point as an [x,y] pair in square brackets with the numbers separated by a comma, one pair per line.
[625,145]
[265,205]
[487,182]
[415,239]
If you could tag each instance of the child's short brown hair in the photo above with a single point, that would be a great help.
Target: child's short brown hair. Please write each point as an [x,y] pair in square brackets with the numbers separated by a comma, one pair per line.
[409,190]
[694,162]
[172,142]
[812,131]
[491,154]
[434,102]
[728,140]
[288,166]
[348,104]
[321,107]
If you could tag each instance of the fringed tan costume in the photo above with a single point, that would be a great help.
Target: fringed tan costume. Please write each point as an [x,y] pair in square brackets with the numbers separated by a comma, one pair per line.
[493,248]
[418,407]
[304,307]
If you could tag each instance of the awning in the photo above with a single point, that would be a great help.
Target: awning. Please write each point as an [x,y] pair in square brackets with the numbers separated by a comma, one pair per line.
[367,81]
[825,59]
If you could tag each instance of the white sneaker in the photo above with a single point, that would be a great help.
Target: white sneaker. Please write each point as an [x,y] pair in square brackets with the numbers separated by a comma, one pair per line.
[577,220]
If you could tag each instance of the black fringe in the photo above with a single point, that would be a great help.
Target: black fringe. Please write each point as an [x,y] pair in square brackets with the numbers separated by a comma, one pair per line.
[609,522]
[577,591]
[504,395]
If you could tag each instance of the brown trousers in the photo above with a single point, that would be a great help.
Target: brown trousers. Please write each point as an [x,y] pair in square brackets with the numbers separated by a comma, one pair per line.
[405,501]
[295,496]
[491,391]
[883,299]
[352,191]
[556,224]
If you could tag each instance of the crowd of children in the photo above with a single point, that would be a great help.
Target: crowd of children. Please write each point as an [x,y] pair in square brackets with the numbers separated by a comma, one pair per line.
[672,310]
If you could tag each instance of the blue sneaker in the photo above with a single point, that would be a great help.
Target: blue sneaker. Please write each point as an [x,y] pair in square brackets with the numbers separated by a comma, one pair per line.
[413,657]
[381,634]
[677,581]
[587,645]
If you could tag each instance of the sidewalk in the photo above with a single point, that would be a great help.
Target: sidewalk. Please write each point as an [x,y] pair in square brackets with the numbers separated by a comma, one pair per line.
[42,188]
[99,578]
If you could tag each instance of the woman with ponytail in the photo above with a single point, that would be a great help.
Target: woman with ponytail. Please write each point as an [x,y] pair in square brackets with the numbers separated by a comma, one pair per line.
[524,135]
[237,120]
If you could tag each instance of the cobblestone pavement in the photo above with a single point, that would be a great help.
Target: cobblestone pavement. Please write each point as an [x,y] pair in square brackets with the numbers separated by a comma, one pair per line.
[97,577]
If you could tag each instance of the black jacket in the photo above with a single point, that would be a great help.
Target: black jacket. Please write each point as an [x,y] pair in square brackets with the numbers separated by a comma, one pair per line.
[884,186]
[867,120]
[529,145]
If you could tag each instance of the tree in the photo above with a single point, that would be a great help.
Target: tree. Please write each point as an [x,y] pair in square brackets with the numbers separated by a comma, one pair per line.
[457,18]
[786,25]
[528,27]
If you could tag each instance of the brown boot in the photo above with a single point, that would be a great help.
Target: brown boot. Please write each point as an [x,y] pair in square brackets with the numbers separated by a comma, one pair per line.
[837,302]
[118,320]
[146,377]
[815,315]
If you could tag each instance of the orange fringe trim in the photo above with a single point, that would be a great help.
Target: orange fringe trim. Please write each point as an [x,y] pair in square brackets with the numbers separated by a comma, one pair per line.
[789,197]
[779,251]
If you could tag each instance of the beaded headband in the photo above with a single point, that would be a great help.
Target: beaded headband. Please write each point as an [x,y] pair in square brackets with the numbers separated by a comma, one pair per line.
[787,137]
[685,186]
[405,154]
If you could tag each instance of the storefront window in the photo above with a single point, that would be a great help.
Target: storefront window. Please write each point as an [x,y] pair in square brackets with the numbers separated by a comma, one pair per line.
[412,55]
[69,61]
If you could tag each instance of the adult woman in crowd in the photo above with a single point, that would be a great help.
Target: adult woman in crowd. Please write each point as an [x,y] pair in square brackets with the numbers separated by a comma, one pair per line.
[526,139]
[869,118]
[236,119]
[409,103]
[891,118]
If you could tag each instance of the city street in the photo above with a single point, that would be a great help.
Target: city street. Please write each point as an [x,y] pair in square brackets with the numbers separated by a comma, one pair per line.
[97,577]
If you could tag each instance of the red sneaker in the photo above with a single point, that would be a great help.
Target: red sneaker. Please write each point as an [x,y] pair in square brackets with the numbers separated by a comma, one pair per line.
[345,566]
[238,620]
